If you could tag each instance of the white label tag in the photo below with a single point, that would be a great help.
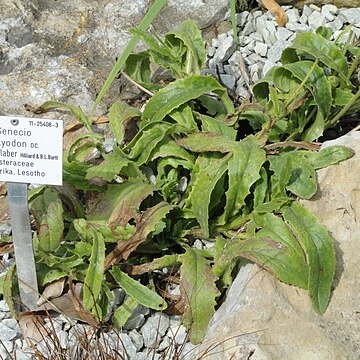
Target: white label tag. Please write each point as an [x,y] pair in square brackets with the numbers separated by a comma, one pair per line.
[31,150]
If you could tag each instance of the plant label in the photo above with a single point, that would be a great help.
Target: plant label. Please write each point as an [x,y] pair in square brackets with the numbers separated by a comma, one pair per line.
[31,150]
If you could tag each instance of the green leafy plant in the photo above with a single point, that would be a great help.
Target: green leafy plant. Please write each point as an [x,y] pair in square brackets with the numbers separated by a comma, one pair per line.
[193,170]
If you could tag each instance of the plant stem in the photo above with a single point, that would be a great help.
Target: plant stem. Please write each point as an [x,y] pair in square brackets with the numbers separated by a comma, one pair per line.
[127,77]
[299,88]
[354,65]
[344,110]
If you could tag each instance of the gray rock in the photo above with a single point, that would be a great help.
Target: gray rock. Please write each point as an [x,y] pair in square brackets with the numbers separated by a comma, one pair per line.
[256,14]
[23,354]
[5,230]
[147,356]
[137,339]
[225,49]
[256,36]
[283,33]
[175,12]
[134,322]
[188,352]
[253,59]
[242,91]
[255,72]
[154,329]
[249,27]
[236,64]
[218,40]
[177,332]
[228,80]
[249,48]
[277,320]
[352,16]
[275,51]
[307,10]
[337,24]
[120,342]
[267,66]
[329,11]
[271,28]
[344,36]
[316,19]
[4,306]
[63,338]
[293,26]
[293,15]
[164,344]
[210,51]
[197,243]
[241,18]
[261,49]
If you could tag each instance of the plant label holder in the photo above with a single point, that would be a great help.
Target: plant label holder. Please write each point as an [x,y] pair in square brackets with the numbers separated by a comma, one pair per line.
[30,152]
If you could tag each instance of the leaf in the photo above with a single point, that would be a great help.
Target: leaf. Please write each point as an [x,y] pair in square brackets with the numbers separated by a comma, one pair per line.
[48,212]
[146,141]
[183,116]
[329,155]
[316,82]
[142,294]
[320,48]
[32,327]
[293,172]
[316,129]
[94,273]
[76,111]
[120,115]
[160,263]
[302,181]
[213,125]
[74,173]
[256,118]
[206,142]
[244,170]
[52,290]
[277,259]
[169,148]
[137,67]
[145,225]
[180,92]
[71,306]
[197,286]
[190,35]
[319,250]
[47,274]
[109,168]
[120,203]
[8,290]
[206,173]
[123,313]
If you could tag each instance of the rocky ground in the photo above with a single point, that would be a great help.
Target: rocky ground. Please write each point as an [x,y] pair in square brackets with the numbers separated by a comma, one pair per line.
[66,77]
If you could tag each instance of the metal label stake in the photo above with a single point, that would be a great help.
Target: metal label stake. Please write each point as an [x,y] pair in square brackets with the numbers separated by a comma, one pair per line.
[22,240]
[30,152]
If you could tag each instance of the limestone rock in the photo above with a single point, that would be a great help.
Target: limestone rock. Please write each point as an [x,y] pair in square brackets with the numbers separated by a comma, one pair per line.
[263,318]
[64,50]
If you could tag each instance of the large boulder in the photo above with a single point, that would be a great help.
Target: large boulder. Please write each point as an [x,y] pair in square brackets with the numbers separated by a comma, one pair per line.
[263,318]
[63,50]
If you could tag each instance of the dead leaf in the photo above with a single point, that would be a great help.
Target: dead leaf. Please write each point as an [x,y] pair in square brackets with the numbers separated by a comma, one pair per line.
[144,227]
[277,10]
[52,290]
[6,247]
[32,326]
[70,305]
